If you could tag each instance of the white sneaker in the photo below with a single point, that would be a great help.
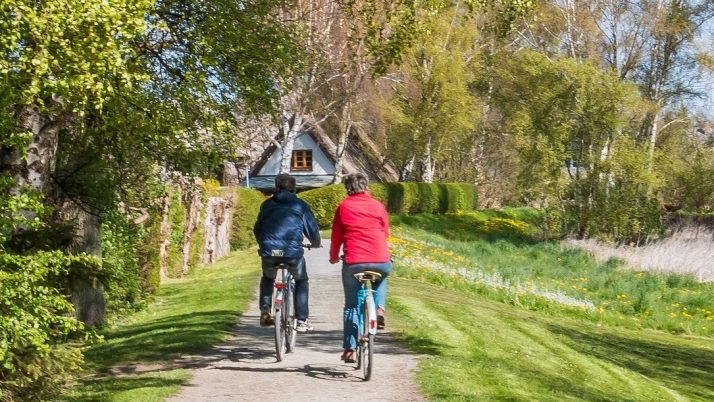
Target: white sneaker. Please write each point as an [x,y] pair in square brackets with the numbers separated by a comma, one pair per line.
[304,326]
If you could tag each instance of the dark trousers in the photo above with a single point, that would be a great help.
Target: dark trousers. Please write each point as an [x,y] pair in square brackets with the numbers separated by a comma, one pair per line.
[296,266]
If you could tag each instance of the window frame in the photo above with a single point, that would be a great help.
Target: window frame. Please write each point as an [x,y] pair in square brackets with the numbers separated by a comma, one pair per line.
[304,156]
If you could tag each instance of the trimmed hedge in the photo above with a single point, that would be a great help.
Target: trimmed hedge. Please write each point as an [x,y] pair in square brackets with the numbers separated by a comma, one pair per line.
[398,198]
[245,213]
[324,201]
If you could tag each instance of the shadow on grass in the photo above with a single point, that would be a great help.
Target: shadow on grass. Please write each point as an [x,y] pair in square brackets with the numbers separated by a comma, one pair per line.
[688,370]
[103,389]
[419,344]
[466,228]
[162,339]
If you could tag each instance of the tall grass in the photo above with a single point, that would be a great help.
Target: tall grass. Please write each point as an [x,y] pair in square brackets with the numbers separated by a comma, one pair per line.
[500,261]
[683,253]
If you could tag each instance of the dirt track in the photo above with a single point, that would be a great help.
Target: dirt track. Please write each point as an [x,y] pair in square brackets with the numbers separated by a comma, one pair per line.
[245,368]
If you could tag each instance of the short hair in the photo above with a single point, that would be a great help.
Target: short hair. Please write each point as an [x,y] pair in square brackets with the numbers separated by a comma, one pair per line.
[356,183]
[284,181]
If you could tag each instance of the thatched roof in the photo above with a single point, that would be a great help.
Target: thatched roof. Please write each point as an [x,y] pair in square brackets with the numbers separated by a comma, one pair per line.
[361,154]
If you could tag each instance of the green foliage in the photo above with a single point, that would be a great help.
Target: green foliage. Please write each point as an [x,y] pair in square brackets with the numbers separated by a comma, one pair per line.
[409,197]
[120,259]
[397,198]
[177,229]
[36,322]
[577,146]
[245,214]
[324,201]
[148,253]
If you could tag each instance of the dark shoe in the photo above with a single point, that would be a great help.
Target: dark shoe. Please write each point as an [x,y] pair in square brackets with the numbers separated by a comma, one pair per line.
[348,356]
[380,318]
[265,319]
[380,322]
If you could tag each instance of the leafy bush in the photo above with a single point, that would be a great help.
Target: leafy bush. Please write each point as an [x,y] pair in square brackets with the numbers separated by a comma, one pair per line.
[36,321]
[148,253]
[177,228]
[120,240]
[324,201]
[245,213]
[397,198]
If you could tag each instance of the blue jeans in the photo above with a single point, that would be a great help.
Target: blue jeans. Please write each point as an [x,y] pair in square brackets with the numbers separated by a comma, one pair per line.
[296,266]
[352,287]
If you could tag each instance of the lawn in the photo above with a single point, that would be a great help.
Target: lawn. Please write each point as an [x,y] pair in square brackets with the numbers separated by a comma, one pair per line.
[186,317]
[478,349]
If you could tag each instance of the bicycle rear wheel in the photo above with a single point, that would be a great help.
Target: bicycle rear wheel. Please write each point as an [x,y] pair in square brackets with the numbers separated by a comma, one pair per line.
[290,322]
[366,354]
[279,326]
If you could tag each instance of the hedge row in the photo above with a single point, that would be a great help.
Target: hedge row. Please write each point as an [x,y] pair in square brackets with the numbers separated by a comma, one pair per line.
[398,198]
[245,213]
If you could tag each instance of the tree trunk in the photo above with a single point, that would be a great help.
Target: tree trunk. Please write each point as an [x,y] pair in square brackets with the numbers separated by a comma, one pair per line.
[406,173]
[427,167]
[87,294]
[35,168]
[164,232]
[291,128]
[345,128]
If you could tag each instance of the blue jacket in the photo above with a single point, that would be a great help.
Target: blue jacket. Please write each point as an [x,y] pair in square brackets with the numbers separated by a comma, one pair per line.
[281,224]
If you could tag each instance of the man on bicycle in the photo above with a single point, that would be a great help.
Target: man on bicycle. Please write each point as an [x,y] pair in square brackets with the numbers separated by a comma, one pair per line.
[361,225]
[282,222]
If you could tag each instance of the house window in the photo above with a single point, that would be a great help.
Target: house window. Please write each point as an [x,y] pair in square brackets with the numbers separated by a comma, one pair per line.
[302,159]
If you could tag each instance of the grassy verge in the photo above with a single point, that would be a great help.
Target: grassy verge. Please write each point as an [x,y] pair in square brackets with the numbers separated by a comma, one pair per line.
[496,257]
[478,349]
[187,316]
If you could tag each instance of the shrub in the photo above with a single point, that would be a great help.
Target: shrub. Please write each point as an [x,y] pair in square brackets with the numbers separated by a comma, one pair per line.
[245,213]
[148,250]
[397,198]
[120,240]
[177,227]
[36,321]
[324,201]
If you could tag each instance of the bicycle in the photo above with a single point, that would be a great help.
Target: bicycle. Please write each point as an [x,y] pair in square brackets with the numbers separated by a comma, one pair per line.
[367,319]
[283,310]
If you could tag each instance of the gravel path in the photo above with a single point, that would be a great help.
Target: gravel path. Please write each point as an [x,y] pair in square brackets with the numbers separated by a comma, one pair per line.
[245,369]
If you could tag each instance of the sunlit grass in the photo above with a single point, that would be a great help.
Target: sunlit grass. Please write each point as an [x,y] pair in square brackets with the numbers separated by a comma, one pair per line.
[477,349]
[187,316]
[545,276]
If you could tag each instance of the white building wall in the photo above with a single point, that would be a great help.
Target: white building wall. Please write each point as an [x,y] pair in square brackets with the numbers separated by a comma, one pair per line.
[321,164]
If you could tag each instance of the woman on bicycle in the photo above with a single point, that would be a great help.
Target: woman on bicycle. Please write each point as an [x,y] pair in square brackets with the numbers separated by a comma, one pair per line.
[360,225]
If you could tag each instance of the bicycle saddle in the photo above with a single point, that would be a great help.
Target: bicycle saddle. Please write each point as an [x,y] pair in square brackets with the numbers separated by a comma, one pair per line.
[367,276]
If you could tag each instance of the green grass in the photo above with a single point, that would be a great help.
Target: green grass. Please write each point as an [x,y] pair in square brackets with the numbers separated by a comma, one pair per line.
[477,349]
[187,316]
[506,264]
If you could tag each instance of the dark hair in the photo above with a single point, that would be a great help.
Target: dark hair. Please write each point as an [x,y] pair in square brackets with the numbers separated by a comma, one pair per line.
[356,183]
[284,181]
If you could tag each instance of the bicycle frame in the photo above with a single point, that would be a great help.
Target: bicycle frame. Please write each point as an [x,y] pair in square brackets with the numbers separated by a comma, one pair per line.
[367,325]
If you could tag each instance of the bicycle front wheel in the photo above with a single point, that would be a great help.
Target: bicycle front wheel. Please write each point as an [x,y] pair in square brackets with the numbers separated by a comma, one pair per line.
[279,332]
[366,354]
[290,321]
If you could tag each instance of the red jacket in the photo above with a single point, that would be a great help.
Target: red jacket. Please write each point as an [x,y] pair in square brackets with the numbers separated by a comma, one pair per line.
[362,226]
